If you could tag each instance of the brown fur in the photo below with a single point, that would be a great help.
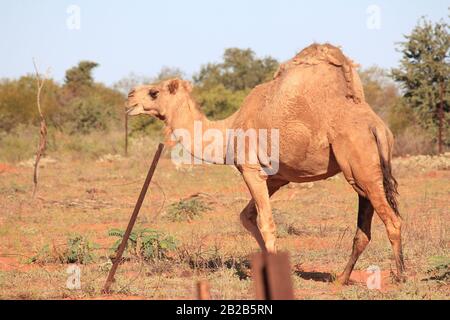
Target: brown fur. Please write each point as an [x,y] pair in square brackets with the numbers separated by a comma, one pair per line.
[326,53]
[389,182]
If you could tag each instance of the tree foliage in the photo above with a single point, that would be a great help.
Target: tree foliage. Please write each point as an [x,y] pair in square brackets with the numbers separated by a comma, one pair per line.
[240,70]
[380,91]
[98,108]
[222,87]
[79,77]
[424,68]
[18,102]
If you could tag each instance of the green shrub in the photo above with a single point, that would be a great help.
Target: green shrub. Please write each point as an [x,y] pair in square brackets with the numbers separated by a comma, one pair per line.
[87,145]
[413,140]
[145,243]
[19,144]
[78,249]
[186,210]
[440,269]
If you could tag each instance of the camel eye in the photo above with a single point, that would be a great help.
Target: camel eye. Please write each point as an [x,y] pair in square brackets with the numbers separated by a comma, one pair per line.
[153,93]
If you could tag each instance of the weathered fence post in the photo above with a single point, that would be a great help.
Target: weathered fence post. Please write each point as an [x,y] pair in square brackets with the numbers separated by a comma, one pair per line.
[203,292]
[271,275]
[126,134]
[133,218]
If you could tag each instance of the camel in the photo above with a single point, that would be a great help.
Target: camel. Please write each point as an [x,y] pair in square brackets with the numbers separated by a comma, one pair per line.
[316,101]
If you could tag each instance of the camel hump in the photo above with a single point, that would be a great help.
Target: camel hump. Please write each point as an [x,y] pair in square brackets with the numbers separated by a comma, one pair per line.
[326,53]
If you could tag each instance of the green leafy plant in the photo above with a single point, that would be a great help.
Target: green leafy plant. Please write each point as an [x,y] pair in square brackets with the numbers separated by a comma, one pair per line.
[186,210]
[44,255]
[439,270]
[145,243]
[78,249]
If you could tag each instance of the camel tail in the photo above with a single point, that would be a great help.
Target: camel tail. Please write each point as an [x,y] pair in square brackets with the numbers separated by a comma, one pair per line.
[389,182]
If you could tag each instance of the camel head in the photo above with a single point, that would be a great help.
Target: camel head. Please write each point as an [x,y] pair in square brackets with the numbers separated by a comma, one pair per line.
[158,100]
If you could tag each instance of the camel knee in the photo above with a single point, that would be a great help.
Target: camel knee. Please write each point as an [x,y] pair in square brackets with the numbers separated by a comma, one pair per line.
[267,229]
[394,231]
[266,226]
[390,219]
[248,217]
[392,222]
[360,241]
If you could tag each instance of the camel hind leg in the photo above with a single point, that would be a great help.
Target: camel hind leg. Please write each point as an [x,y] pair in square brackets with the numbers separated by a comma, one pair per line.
[362,236]
[368,171]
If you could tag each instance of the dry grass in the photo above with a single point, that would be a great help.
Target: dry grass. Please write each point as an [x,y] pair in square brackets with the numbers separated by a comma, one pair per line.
[316,226]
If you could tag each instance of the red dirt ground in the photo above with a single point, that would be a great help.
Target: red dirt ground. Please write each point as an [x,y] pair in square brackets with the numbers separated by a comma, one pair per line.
[6,168]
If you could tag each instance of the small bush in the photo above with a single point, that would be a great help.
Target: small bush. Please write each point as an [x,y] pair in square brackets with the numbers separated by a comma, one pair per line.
[414,141]
[440,269]
[78,249]
[145,243]
[19,144]
[285,225]
[199,258]
[186,210]
[87,145]
[45,255]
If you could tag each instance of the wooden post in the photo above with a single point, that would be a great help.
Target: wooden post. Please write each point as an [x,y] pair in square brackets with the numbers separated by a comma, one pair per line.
[441,117]
[203,292]
[271,275]
[133,218]
[126,134]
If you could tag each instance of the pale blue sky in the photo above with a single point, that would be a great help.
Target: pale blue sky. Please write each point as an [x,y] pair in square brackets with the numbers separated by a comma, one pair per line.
[142,36]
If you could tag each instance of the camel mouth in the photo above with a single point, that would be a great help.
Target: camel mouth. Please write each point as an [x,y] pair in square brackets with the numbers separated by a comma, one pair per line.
[160,117]
[130,109]
[137,109]
[155,113]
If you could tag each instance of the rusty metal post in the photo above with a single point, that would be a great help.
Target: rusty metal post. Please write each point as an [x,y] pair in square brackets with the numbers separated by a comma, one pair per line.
[271,275]
[126,135]
[133,218]
[203,292]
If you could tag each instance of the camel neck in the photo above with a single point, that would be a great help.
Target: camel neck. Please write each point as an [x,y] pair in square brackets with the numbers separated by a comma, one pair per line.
[196,132]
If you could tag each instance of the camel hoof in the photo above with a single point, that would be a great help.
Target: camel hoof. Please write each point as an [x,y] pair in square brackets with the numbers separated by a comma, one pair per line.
[341,280]
[398,278]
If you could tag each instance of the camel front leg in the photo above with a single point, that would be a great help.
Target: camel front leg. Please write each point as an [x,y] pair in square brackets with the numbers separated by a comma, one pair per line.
[256,183]
[249,214]
[248,219]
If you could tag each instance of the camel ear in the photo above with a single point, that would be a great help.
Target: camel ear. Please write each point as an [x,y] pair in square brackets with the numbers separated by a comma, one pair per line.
[173,86]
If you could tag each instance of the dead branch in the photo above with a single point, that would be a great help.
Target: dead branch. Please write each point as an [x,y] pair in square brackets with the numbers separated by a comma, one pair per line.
[43,127]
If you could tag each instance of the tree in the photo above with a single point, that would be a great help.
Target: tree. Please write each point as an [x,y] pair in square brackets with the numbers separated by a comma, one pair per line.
[424,73]
[96,110]
[168,73]
[220,88]
[125,84]
[79,77]
[239,70]
[18,102]
[380,91]
[219,102]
